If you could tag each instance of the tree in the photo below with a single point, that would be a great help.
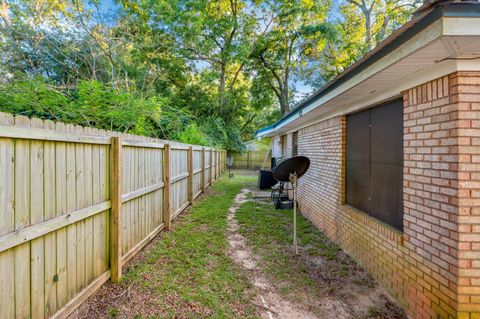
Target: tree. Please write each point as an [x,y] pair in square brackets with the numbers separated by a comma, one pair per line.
[293,35]
[382,17]
[190,70]
[213,35]
[361,25]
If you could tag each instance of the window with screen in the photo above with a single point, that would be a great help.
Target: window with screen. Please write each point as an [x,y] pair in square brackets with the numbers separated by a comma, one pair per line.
[374,170]
[294,143]
[283,141]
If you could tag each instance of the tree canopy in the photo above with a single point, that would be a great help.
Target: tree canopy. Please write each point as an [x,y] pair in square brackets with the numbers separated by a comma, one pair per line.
[197,71]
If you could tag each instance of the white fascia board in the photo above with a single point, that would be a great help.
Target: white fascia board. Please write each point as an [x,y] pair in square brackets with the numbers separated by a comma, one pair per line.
[393,91]
[453,26]
[446,26]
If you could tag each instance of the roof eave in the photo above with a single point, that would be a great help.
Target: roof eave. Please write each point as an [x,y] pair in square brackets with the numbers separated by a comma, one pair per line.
[400,36]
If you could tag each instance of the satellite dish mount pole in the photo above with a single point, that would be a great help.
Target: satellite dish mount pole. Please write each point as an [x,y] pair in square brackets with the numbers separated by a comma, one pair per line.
[293,181]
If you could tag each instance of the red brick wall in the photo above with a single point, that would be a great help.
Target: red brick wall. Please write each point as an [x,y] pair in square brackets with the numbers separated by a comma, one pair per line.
[465,93]
[320,190]
[430,187]
[433,268]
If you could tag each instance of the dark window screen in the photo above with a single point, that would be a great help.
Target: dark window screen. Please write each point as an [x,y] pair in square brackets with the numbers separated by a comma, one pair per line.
[283,141]
[294,143]
[358,160]
[374,172]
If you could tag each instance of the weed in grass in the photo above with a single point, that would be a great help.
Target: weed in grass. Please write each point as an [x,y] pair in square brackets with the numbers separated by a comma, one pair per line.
[113,312]
[373,311]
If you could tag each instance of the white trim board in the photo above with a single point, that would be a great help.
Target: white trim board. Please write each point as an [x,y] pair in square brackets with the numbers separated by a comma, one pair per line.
[391,92]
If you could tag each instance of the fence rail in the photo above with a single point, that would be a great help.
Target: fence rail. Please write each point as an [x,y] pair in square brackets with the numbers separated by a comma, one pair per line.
[77,203]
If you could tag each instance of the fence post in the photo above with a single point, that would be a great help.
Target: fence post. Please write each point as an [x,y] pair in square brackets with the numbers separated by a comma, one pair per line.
[214,175]
[216,164]
[166,188]
[190,175]
[203,170]
[211,168]
[116,211]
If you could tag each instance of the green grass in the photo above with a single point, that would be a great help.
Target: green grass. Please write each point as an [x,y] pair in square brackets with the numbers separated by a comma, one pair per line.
[188,272]
[320,269]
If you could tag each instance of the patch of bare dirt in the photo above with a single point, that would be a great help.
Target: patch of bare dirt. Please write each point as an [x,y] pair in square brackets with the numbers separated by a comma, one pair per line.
[268,299]
[111,300]
[347,290]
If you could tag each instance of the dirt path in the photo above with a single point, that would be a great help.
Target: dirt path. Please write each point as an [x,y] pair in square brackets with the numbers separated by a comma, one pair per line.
[272,303]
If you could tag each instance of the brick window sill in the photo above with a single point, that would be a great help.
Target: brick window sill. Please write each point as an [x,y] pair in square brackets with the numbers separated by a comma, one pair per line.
[375,225]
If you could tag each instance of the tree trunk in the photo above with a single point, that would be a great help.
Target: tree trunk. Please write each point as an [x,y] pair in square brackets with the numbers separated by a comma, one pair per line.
[222,88]
[284,102]
[367,13]
[284,106]
[368,29]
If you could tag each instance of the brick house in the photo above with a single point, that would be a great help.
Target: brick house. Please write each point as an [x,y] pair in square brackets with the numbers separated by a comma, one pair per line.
[394,144]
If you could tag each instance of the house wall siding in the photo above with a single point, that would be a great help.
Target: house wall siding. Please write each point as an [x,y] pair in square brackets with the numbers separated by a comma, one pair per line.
[433,268]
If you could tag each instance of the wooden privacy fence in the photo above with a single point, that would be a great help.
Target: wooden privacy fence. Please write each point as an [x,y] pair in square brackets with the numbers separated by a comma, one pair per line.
[253,160]
[77,203]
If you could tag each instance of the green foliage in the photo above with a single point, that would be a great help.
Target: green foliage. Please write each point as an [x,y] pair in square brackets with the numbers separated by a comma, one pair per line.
[295,34]
[209,72]
[360,27]
[192,135]
[33,98]
[91,103]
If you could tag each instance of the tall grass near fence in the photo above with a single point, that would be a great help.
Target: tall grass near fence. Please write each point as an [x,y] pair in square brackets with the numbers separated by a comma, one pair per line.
[77,203]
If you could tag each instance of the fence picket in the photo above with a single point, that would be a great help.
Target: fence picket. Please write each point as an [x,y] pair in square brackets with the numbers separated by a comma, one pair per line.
[115,214]
[166,187]
[190,175]
[61,230]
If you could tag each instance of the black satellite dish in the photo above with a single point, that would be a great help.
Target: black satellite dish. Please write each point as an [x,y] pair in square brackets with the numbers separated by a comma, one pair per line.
[296,164]
[290,170]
